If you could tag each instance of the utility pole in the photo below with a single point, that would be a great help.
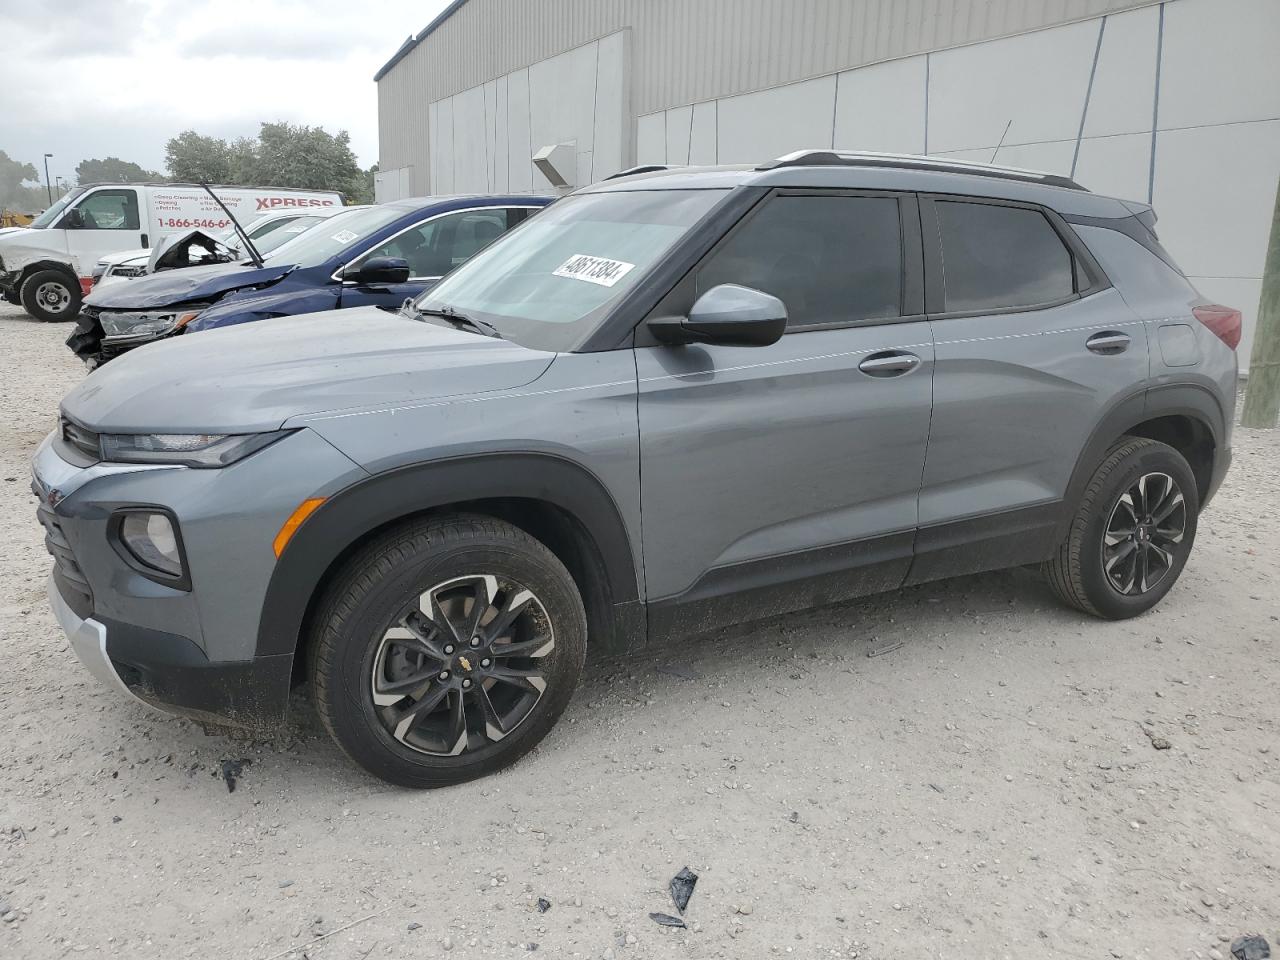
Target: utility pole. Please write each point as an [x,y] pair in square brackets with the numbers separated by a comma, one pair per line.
[1262,395]
[47,186]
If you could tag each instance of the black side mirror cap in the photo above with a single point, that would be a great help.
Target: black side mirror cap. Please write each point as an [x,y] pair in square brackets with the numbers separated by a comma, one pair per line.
[379,270]
[74,219]
[728,314]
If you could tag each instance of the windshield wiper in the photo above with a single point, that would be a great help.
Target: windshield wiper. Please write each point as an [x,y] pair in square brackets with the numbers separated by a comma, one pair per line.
[483,327]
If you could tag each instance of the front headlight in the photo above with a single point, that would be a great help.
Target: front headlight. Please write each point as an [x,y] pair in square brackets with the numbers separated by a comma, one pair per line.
[200,450]
[144,324]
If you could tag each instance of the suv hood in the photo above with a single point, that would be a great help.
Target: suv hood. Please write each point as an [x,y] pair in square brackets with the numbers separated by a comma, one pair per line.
[254,377]
[171,287]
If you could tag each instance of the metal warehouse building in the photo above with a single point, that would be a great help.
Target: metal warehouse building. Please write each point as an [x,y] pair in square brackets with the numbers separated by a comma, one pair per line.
[1176,103]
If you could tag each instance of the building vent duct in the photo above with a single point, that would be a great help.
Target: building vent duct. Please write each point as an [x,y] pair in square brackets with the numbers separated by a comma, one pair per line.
[558,163]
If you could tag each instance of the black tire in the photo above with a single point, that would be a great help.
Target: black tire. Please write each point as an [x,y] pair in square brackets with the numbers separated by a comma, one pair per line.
[368,602]
[51,296]
[1078,573]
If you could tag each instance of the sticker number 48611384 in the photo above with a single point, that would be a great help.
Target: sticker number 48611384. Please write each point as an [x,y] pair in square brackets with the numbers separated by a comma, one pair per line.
[599,270]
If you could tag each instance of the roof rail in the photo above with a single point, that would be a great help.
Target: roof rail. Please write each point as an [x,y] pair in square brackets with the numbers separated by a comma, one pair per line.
[642,168]
[907,161]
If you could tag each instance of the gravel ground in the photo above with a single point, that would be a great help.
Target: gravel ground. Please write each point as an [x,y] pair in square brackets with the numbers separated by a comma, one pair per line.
[984,789]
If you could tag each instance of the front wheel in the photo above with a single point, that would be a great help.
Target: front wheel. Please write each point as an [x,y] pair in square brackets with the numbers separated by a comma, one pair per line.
[1131,534]
[447,650]
[51,296]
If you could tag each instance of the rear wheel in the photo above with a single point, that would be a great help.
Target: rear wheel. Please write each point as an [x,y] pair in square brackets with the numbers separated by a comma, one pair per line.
[447,650]
[51,296]
[1131,534]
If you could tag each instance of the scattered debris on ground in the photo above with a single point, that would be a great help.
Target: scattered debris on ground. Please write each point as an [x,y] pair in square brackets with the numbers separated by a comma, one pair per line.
[1251,946]
[682,885]
[231,772]
[666,920]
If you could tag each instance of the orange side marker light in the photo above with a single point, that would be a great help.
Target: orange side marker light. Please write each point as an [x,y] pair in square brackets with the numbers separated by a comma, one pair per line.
[304,510]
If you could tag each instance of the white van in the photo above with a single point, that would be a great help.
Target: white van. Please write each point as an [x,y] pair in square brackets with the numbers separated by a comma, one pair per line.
[48,267]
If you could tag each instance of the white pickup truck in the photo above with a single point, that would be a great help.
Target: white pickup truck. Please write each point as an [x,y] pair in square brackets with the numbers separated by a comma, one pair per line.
[48,266]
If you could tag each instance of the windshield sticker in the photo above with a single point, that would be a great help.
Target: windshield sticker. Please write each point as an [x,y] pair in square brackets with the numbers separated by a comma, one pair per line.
[345,236]
[599,270]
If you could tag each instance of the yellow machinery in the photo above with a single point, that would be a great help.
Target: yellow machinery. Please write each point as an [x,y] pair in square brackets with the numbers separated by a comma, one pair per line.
[9,218]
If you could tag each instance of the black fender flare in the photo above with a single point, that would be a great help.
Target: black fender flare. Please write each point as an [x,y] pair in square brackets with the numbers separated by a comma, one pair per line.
[1186,399]
[64,268]
[346,517]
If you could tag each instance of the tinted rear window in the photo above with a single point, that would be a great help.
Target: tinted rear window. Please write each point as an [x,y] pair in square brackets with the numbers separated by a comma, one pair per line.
[996,257]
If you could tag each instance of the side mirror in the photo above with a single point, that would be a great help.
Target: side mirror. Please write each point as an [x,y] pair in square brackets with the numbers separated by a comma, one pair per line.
[74,220]
[379,270]
[728,314]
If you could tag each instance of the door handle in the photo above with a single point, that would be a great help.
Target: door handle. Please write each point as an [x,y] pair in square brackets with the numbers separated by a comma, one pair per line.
[893,363]
[1108,342]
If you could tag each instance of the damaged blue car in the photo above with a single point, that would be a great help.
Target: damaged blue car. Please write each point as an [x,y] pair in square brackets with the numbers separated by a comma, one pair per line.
[366,257]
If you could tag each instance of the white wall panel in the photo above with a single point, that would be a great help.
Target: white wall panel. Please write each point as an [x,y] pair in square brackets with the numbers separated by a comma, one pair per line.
[519,139]
[881,107]
[1125,82]
[679,133]
[759,126]
[470,164]
[1215,191]
[702,146]
[612,107]
[1220,62]
[1037,81]
[651,138]
[1116,166]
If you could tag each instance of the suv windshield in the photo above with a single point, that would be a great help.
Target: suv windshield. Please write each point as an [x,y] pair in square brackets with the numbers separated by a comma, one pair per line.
[52,214]
[340,232]
[549,282]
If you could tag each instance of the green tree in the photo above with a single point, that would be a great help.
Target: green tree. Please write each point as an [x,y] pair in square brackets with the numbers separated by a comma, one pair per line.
[361,189]
[112,169]
[290,155]
[195,159]
[14,192]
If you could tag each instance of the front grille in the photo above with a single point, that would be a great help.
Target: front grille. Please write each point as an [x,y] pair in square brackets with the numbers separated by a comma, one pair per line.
[82,438]
[55,541]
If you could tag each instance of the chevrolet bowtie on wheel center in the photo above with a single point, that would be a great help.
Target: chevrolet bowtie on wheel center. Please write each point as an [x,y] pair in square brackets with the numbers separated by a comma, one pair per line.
[671,401]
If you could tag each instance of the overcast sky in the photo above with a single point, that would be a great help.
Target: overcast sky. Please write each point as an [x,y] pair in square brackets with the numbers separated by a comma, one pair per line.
[97,78]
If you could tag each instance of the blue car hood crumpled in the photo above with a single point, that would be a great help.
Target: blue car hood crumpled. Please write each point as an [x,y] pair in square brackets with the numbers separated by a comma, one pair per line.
[190,284]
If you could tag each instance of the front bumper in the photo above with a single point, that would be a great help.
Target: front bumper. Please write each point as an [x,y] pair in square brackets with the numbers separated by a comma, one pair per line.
[88,640]
[192,652]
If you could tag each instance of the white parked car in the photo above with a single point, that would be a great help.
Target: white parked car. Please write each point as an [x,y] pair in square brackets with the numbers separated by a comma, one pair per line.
[48,266]
[268,232]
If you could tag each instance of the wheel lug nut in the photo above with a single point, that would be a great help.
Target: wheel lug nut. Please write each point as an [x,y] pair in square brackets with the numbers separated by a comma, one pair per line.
[466,684]
[485,662]
[475,642]
[448,648]
[444,675]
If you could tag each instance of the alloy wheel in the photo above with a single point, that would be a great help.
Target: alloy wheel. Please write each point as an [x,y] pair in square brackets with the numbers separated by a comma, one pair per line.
[459,668]
[1143,534]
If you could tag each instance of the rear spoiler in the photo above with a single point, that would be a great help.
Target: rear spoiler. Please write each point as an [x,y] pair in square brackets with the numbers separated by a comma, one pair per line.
[1143,212]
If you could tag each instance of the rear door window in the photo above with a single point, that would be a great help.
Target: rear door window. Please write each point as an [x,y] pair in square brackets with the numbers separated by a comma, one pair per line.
[830,259]
[997,257]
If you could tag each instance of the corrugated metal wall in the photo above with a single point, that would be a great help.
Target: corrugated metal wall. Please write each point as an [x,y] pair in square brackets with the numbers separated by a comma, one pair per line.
[685,51]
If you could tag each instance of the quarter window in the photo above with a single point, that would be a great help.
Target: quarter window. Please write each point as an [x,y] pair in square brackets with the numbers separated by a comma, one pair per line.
[997,257]
[831,259]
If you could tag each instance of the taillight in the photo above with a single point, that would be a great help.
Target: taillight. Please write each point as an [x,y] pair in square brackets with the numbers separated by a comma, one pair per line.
[1223,321]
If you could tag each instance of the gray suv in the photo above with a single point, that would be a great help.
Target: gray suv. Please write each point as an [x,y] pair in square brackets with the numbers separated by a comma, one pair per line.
[674,400]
